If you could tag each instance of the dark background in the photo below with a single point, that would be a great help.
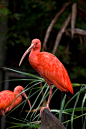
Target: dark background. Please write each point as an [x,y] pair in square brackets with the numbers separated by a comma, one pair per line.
[22,21]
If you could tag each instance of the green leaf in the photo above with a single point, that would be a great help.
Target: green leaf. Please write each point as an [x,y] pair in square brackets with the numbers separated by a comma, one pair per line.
[62,106]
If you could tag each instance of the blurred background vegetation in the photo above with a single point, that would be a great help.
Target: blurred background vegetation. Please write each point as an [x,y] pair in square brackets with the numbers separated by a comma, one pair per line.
[22,21]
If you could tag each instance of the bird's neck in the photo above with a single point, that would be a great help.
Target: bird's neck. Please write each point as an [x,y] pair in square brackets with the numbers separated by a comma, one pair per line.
[33,58]
[19,97]
[17,100]
[34,52]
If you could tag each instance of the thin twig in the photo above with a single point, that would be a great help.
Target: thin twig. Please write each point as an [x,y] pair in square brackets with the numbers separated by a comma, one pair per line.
[78,31]
[73,18]
[52,24]
[34,110]
[58,38]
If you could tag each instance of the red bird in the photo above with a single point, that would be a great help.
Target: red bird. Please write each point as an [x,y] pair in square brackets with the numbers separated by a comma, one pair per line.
[9,99]
[49,67]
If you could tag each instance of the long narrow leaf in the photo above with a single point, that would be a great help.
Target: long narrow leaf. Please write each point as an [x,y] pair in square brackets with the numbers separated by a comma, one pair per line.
[28,74]
[62,106]
[83,101]
[74,110]
[35,100]
[81,91]
[42,97]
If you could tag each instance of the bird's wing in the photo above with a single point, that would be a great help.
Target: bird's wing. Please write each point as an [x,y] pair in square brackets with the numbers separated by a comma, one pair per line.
[53,70]
[6,98]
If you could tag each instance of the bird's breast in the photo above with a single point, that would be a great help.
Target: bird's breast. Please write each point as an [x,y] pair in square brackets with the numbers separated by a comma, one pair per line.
[35,63]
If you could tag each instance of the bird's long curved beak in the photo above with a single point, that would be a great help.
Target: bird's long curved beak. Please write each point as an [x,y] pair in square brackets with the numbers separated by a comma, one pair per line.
[26,52]
[26,98]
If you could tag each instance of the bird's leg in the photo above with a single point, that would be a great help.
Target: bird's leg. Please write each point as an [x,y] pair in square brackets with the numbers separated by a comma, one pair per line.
[50,94]
[2,112]
[49,98]
[7,109]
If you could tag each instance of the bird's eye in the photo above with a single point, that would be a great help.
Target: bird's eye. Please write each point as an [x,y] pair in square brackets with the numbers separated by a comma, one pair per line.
[36,43]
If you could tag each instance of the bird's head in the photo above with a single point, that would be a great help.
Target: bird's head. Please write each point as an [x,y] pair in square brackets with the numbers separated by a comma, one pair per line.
[35,45]
[18,89]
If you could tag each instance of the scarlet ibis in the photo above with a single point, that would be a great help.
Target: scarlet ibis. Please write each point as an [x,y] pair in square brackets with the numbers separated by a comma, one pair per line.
[49,67]
[9,99]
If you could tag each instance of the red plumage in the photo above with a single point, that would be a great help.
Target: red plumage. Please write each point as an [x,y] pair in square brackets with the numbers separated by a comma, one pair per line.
[9,99]
[49,67]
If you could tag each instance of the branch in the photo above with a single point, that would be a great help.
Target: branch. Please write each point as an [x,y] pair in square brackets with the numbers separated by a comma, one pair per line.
[52,24]
[58,38]
[73,18]
[77,31]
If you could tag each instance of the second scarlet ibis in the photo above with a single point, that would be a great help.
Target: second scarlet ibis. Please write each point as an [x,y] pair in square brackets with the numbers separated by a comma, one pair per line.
[49,67]
[9,99]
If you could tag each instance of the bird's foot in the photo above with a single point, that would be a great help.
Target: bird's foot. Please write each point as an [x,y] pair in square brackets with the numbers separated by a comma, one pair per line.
[47,107]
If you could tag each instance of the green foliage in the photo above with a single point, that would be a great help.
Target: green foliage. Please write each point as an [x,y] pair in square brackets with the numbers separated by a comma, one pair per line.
[65,110]
[31,17]
[4,13]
